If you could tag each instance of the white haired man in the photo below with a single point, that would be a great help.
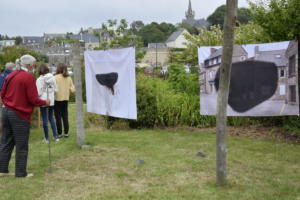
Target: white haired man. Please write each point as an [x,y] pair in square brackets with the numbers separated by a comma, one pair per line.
[19,96]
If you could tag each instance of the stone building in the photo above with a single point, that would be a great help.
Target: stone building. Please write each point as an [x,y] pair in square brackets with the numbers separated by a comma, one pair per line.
[190,19]
[278,58]
[157,54]
[292,73]
[213,63]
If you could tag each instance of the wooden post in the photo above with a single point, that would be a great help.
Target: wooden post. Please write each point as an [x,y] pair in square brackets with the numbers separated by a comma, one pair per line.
[221,147]
[78,86]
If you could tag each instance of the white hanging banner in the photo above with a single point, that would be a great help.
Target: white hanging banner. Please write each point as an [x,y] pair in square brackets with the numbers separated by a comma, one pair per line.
[110,82]
[263,81]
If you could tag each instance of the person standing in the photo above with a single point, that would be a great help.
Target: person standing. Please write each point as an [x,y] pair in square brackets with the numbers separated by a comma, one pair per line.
[19,96]
[9,67]
[46,86]
[64,86]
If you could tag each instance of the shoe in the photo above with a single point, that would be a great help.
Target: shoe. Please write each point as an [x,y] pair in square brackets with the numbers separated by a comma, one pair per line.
[56,139]
[6,174]
[60,136]
[46,140]
[66,135]
[29,175]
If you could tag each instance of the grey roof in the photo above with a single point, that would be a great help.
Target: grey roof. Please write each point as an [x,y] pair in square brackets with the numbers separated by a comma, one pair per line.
[33,40]
[157,45]
[86,37]
[175,35]
[54,35]
[272,56]
[196,22]
[216,53]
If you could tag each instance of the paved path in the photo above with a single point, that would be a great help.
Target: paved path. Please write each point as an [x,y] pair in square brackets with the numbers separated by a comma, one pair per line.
[208,105]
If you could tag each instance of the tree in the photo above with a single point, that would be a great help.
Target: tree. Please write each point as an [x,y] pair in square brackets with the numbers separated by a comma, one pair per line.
[19,40]
[10,54]
[217,17]
[244,34]
[188,27]
[116,34]
[223,93]
[279,18]
[156,33]
[136,26]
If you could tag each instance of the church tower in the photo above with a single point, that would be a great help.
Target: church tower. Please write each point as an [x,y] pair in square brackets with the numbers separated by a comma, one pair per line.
[190,14]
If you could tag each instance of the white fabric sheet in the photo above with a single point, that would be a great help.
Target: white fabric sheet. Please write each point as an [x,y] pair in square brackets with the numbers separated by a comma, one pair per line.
[100,99]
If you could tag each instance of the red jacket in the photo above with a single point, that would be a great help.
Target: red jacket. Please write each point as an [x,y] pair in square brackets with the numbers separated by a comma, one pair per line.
[19,93]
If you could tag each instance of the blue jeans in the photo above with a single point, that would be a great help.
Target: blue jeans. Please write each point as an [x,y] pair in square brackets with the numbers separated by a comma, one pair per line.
[50,118]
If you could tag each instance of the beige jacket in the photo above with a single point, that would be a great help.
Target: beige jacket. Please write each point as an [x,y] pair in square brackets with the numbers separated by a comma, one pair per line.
[64,86]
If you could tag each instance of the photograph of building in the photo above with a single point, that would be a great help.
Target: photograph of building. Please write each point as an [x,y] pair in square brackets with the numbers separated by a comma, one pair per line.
[284,55]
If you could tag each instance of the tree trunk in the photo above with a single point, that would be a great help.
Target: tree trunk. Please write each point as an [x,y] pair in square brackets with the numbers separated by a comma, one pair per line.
[221,148]
[79,102]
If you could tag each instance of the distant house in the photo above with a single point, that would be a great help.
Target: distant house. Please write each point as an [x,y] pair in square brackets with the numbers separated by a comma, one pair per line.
[212,64]
[54,36]
[177,39]
[33,40]
[278,58]
[157,54]
[90,40]
[292,73]
[7,43]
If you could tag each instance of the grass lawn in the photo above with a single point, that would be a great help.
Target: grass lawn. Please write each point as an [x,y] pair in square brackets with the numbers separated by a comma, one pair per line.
[257,169]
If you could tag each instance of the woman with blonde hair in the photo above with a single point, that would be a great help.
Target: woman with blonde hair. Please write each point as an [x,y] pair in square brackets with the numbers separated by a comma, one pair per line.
[64,86]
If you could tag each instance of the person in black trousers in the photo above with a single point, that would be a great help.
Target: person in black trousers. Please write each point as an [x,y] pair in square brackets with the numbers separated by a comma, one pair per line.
[64,87]
[19,96]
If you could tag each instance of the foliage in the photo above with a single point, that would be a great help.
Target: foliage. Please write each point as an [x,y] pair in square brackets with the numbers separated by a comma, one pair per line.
[279,18]
[156,33]
[211,37]
[146,105]
[244,34]
[217,17]
[188,27]
[135,26]
[117,35]
[183,82]
[10,54]
[19,40]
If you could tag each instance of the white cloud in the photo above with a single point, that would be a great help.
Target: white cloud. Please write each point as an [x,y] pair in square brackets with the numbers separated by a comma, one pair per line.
[34,17]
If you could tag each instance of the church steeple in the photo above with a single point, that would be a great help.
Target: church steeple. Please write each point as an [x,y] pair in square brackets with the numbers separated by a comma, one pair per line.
[190,14]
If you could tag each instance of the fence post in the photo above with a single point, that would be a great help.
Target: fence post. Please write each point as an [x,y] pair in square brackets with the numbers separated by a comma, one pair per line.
[78,87]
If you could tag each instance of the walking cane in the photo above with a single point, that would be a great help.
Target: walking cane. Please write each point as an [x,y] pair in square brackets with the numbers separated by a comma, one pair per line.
[49,140]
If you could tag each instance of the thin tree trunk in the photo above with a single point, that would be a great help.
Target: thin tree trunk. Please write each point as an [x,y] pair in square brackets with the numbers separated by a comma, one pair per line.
[79,102]
[221,147]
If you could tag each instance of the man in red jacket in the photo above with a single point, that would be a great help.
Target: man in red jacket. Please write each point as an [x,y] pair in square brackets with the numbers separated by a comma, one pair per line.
[19,96]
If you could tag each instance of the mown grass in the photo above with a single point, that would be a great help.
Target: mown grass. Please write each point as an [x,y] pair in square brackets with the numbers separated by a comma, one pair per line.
[257,169]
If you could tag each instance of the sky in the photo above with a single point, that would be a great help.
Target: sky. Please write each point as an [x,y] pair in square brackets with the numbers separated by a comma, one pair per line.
[35,17]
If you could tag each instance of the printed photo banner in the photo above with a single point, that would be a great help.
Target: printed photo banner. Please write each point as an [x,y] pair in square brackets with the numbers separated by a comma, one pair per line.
[110,82]
[263,82]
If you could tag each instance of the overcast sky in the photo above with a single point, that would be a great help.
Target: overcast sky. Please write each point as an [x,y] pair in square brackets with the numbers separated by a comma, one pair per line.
[35,17]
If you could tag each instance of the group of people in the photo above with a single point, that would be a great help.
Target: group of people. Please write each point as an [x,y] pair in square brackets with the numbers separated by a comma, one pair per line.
[20,93]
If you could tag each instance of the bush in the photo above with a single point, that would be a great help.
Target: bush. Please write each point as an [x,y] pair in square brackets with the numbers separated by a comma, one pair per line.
[146,106]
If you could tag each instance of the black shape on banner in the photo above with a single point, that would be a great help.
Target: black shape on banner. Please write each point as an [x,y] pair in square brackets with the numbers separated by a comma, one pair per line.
[251,83]
[108,80]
